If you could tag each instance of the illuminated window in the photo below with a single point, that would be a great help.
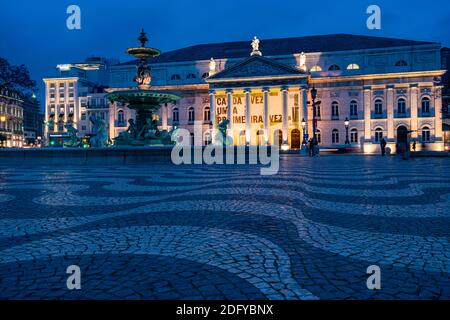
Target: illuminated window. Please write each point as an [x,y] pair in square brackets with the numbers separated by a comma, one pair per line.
[335,136]
[378,107]
[334,67]
[425,105]
[191,114]
[175,115]
[316,69]
[401,106]
[378,134]
[425,134]
[206,114]
[353,108]
[353,66]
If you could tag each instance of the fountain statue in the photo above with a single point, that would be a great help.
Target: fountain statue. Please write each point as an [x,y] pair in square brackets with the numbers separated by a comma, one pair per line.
[99,136]
[145,101]
[74,141]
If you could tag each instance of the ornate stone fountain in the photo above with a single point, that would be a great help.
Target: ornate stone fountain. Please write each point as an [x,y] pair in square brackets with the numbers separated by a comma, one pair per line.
[145,101]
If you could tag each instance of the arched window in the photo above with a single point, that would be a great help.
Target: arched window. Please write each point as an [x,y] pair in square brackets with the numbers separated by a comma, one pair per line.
[318,109]
[206,114]
[425,134]
[191,76]
[425,105]
[353,66]
[378,134]
[175,76]
[335,109]
[401,106]
[120,117]
[353,108]
[207,138]
[354,135]
[316,68]
[318,136]
[192,139]
[175,115]
[401,63]
[205,75]
[378,107]
[191,114]
[335,136]
[334,67]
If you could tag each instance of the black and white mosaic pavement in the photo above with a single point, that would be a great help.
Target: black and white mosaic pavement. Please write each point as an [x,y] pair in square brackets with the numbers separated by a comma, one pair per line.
[226,232]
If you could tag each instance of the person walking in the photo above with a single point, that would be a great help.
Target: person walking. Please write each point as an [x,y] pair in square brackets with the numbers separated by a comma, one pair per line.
[310,147]
[414,146]
[383,146]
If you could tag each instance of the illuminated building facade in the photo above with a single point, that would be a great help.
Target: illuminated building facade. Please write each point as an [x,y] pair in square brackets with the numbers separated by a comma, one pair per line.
[11,119]
[385,88]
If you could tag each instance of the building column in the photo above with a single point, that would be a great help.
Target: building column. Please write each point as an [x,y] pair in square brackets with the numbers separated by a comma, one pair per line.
[266,115]
[284,95]
[247,117]
[414,104]
[164,116]
[390,113]
[303,110]
[212,109]
[367,98]
[230,108]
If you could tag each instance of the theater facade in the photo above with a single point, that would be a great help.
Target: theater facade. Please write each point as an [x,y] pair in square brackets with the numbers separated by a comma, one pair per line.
[368,88]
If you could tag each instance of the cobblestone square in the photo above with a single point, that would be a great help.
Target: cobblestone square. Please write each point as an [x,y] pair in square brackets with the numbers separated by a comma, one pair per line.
[226,232]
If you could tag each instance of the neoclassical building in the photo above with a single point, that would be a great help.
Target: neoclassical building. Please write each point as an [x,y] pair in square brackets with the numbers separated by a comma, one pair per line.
[384,87]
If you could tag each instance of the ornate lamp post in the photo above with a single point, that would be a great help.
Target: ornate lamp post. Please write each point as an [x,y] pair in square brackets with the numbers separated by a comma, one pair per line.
[346,123]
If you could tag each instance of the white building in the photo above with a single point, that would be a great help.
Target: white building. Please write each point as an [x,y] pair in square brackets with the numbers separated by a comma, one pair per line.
[386,87]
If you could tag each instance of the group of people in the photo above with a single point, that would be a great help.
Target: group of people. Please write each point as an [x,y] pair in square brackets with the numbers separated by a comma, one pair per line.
[403,148]
[313,147]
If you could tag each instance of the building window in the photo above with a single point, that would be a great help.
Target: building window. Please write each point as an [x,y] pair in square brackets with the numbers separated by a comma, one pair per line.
[207,139]
[425,134]
[335,136]
[378,107]
[378,134]
[401,106]
[175,77]
[120,117]
[191,76]
[401,63]
[206,114]
[334,67]
[353,66]
[353,108]
[316,69]
[335,110]
[83,116]
[318,110]
[318,136]
[353,136]
[175,115]
[426,105]
[191,114]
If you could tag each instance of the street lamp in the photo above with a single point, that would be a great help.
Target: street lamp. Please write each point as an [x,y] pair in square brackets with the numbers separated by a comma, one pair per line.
[346,123]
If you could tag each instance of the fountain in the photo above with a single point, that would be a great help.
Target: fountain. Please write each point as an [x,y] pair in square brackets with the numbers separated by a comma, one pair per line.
[145,101]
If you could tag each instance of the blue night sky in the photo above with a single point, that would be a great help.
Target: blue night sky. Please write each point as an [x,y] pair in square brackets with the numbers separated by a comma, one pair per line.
[34,32]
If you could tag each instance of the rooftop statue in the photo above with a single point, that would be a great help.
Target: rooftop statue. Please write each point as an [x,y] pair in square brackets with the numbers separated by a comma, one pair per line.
[212,66]
[302,63]
[255,46]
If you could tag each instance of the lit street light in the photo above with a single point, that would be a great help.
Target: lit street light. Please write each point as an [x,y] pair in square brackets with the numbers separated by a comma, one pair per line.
[346,123]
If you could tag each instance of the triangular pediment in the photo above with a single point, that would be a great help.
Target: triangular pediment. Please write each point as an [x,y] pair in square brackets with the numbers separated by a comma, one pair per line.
[256,67]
